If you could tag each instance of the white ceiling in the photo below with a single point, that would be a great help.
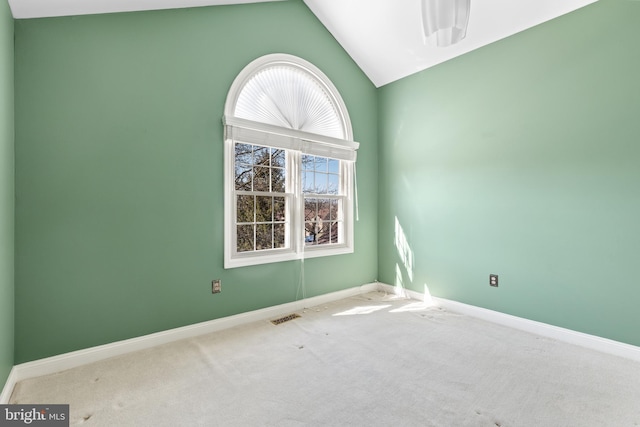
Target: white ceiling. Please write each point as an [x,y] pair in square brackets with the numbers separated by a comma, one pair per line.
[384,37]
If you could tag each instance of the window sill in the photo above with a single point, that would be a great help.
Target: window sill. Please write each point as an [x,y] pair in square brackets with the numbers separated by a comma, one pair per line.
[280,256]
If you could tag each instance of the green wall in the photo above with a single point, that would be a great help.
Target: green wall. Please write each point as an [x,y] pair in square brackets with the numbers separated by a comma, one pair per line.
[522,159]
[6,193]
[119,171]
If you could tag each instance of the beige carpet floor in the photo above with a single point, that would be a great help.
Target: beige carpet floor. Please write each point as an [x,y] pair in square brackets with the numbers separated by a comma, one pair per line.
[371,360]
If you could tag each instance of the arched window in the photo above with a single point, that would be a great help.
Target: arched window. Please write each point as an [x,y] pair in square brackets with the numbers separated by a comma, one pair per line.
[289,164]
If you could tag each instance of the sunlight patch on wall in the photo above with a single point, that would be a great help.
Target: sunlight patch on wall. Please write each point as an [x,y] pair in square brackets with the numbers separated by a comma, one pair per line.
[428,299]
[404,250]
[405,255]
[399,282]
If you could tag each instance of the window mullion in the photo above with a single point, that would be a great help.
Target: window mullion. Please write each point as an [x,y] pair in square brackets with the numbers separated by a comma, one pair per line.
[255,234]
[297,211]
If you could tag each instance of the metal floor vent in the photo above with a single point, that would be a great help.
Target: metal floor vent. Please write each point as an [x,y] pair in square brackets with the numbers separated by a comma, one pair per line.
[285,319]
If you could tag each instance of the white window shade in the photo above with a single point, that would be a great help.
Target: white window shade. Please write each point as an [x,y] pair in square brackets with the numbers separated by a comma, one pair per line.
[276,136]
[287,106]
[286,96]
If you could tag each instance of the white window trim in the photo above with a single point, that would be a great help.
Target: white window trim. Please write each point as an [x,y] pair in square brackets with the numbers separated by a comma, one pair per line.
[296,142]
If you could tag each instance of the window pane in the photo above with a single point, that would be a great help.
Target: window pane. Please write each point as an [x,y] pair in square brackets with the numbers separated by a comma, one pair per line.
[333,232]
[310,209]
[307,182]
[334,184]
[334,166]
[264,209]
[322,232]
[260,169]
[244,209]
[310,231]
[264,236]
[323,209]
[279,209]
[245,238]
[278,180]
[321,164]
[327,233]
[244,174]
[261,178]
[277,157]
[317,221]
[307,162]
[261,156]
[278,236]
[335,210]
[310,214]
[321,183]
[244,154]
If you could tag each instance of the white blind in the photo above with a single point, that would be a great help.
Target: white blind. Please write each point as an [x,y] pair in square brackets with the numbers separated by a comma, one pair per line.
[288,96]
[242,130]
[285,106]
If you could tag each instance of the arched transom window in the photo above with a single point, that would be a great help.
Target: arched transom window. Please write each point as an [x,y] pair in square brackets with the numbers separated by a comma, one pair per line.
[289,164]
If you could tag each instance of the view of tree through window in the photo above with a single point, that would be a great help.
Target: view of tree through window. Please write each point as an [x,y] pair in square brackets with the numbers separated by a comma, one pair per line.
[260,183]
[322,205]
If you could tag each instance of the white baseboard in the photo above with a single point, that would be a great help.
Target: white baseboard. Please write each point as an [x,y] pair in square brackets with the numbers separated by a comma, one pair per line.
[593,342]
[73,359]
[70,360]
[8,387]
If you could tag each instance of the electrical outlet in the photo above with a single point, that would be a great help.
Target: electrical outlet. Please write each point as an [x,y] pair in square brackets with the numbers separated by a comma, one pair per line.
[216,286]
[493,280]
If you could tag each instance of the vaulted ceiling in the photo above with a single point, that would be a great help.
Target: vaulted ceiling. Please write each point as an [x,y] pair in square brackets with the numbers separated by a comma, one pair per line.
[384,37]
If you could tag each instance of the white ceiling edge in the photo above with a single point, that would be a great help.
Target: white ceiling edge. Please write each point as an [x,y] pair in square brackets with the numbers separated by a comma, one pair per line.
[384,37]
[386,40]
[25,9]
